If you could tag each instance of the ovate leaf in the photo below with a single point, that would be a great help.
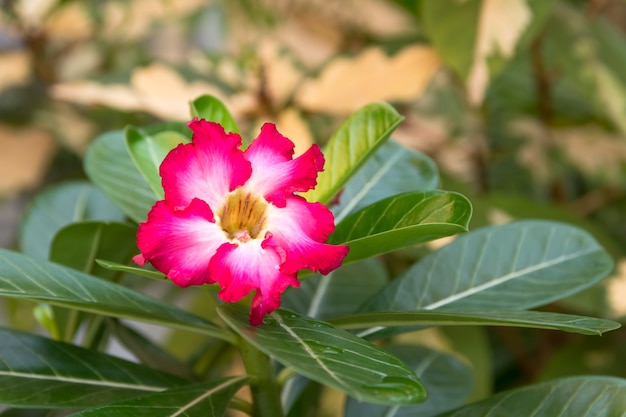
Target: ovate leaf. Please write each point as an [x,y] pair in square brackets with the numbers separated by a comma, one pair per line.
[449,383]
[109,166]
[401,221]
[59,206]
[393,169]
[516,266]
[330,356]
[213,110]
[148,151]
[38,372]
[354,142]
[583,396]
[533,319]
[208,399]
[340,292]
[27,278]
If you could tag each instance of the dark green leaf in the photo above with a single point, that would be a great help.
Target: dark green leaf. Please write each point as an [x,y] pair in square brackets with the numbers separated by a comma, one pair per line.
[147,351]
[533,319]
[109,166]
[78,245]
[147,152]
[27,278]
[449,382]
[210,108]
[38,372]
[583,396]
[59,206]
[393,169]
[351,146]
[330,356]
[208,399]
[515,266]
[115,266]
[341,292]
[402,221]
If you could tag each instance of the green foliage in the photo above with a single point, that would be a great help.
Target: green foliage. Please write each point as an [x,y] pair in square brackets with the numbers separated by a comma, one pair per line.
[389,205]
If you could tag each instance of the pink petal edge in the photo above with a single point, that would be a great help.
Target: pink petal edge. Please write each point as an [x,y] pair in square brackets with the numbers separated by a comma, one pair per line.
[179,242]
[240,269]
[208,168]
[274,174]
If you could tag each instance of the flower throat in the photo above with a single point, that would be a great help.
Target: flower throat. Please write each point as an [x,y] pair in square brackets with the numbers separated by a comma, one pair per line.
[242,217]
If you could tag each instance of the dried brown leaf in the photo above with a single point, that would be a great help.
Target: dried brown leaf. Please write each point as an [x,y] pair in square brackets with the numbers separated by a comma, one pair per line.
[25,155]
[349,83]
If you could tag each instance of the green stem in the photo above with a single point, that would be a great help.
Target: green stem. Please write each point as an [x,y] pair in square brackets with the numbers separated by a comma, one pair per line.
[264,389]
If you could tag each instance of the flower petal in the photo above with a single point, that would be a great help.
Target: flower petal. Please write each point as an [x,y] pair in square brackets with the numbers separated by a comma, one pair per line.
[274,174]
[180,243]
[300,229]
[254,265]
[208,168]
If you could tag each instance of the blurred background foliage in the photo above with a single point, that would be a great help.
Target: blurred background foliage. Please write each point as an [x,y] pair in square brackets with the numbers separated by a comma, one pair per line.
[521,103]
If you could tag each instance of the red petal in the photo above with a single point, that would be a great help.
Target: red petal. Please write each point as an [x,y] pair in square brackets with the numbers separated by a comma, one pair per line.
[240,269]
[300,229]
[274,174]
[180,243]
[208,168]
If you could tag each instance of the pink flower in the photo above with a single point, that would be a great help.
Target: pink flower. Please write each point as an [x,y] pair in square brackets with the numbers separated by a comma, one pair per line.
[231,217]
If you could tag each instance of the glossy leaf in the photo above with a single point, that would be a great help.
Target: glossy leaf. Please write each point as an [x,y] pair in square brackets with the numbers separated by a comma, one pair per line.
[142,272]
[449,383]
[516,266]
[339,293]
[402,221]
[27,278]
[111,169]
[147,351]
[208,399]
[38,372]
[354,142]
[78,245]
[58,206]
[147,152]
[210,108]
[533,319]
[582,396]
[330,356]
[393,169]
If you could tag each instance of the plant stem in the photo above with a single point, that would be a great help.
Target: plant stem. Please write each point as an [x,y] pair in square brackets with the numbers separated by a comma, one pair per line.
[264,389]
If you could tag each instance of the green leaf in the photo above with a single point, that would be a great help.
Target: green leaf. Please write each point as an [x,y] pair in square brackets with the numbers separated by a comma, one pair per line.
[27,278]
[147,351]
[330,356]
[582,396]
[78,245]
[208,399]
[393,169]
[339,293]
[109,166]
[58,206]
[213,110]
[147,152]
[448,379]
[402,221]
[516,266]
[532,319]
[38,372]
[116,266]
[354,142]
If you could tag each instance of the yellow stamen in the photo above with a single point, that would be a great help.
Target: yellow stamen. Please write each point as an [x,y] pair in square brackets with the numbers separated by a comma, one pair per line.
[242,217]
